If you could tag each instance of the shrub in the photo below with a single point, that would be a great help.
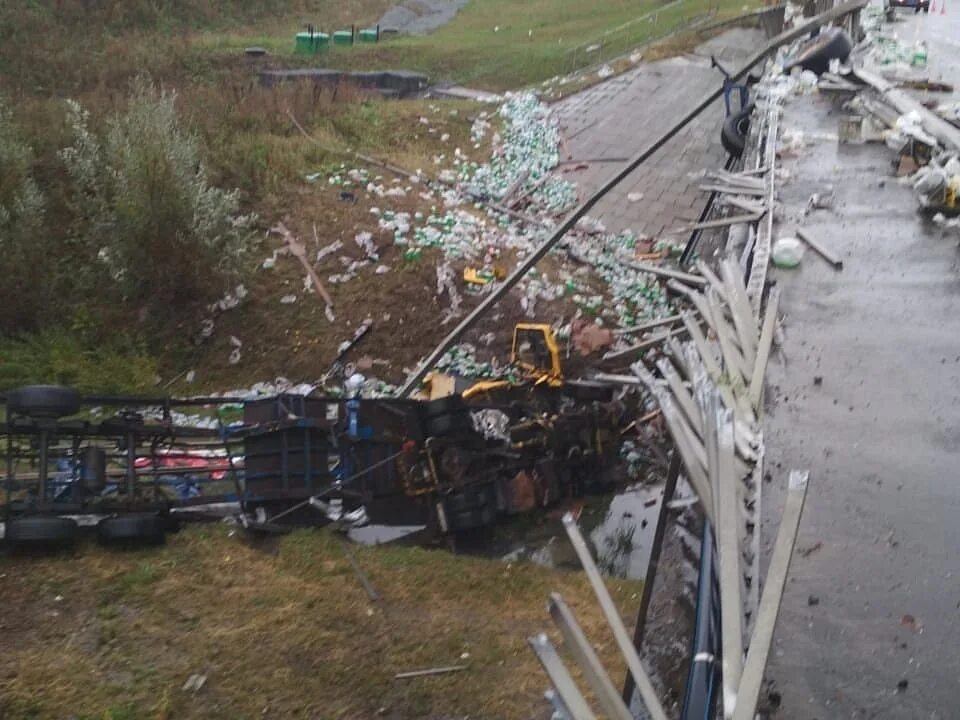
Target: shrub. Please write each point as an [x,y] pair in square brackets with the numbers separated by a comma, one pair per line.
[21,227]
[170,238]
[61,356]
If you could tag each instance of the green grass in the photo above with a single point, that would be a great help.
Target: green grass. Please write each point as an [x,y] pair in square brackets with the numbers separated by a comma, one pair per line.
[286,626]
[63,357]
[502,44]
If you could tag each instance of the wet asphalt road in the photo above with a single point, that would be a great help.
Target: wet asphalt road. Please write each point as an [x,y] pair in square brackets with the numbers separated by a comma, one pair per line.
[867,398]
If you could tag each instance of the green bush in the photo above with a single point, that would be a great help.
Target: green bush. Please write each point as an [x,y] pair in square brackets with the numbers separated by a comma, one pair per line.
[21,227]
[63,357]
[169,238]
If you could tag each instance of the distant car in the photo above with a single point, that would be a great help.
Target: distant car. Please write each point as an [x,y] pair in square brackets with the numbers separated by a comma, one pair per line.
[916,5]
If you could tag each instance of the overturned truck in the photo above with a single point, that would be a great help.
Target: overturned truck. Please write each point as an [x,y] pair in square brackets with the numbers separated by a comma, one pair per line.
[133,467]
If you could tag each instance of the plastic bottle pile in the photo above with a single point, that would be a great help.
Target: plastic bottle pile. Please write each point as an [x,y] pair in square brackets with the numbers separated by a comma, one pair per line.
[530,146]
[634,296]
[462,360]
[602,286]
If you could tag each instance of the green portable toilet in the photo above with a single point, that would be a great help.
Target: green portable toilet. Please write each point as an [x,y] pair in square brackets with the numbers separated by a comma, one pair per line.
[369,35]
[309,43]
[301,44]
[343,37]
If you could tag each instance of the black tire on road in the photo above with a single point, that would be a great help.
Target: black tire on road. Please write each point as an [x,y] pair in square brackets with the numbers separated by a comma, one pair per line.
[733,134]
[135,528]
[831,44]
[41,531]
[588,390]
[43,401]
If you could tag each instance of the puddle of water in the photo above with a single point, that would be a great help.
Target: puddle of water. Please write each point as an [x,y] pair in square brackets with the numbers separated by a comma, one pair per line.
[620,527]
[624,538]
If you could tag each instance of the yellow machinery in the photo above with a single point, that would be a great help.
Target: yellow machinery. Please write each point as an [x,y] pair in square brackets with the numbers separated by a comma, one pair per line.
[535,353]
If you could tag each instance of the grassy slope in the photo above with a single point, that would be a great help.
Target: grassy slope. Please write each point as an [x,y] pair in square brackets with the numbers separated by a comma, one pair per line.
[498,44]
[195,46]
[281,631]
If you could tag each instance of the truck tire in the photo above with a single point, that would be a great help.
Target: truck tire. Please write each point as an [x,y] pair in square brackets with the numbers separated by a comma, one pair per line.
[41,531]
[733,134]
[135,528]
[47,402]
[832,44]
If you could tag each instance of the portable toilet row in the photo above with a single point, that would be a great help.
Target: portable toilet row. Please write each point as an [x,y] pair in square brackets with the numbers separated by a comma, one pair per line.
[313,41]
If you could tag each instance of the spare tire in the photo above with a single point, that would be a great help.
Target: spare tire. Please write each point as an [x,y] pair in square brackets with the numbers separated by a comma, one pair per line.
[831,44]
[135,528]
[588,390]
[733,134]
[41,531]
[43,401]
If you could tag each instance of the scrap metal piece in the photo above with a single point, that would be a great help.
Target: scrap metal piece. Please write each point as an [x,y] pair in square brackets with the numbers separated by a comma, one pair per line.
[821,250]
[733,359]
[728,532]
[682,396]
[939,128]
[718,223]
[673,319]
[593,670]
[734,190]
[743,319]
[762,246]
[647,692]
[566,688]
[763,351]
[429,671]
[683,277]
[749,692]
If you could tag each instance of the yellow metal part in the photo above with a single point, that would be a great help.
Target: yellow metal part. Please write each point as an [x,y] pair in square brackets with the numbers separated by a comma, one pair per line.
[437,385]
[951,196]
[485,386]
[475,277]
[536,352]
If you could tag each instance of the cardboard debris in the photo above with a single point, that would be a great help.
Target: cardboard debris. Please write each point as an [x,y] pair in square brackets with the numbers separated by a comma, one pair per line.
[588,337]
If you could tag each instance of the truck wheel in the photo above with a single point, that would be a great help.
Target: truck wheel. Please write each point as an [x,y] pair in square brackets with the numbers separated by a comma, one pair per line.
[136,528]
[41,531]
[733,134]
[43,401]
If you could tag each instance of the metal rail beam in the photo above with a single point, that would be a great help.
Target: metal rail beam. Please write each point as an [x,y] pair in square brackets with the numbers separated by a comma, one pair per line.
[647,693]
[569,693]
[749,692]
[581,650]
